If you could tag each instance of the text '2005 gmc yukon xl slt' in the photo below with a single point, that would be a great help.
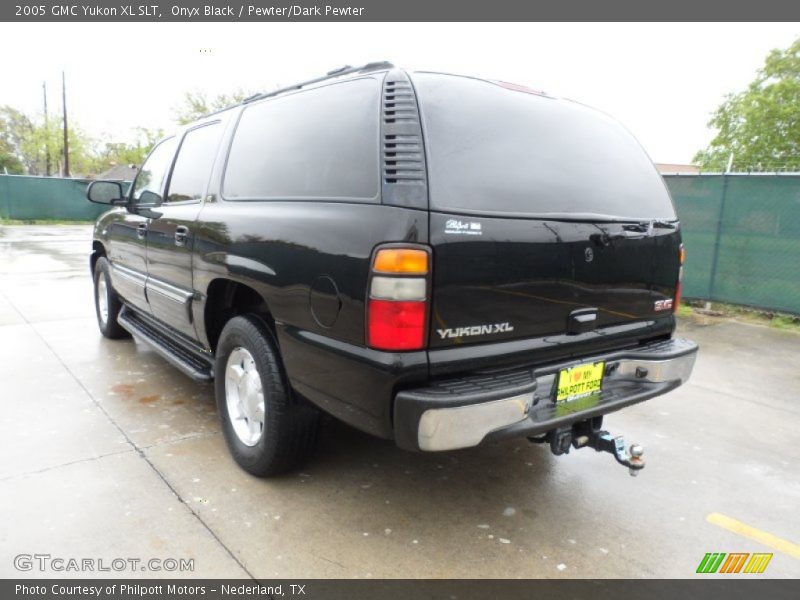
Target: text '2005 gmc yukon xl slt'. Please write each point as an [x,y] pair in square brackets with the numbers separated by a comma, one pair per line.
[435,259]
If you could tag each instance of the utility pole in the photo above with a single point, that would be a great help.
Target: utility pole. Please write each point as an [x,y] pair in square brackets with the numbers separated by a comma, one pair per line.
[47,133]
[66,139]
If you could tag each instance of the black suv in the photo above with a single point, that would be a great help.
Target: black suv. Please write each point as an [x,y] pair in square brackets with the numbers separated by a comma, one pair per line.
[435,259]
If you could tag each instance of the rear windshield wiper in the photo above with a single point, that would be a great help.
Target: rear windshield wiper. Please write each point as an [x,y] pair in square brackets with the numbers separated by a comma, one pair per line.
[648,226]
[659,224]
[630,231]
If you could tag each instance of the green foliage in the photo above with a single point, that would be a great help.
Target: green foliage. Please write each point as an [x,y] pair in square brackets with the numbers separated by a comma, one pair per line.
[14,128]
[760,125]
[41,140]
[4,221]
[197,104]
[26,142]
[124,153]
[787,322]
[9,163]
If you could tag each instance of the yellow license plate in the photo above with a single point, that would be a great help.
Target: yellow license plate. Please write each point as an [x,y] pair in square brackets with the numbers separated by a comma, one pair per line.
[579,381]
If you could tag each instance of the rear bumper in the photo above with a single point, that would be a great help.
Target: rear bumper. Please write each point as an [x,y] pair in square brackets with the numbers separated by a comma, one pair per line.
[463,412]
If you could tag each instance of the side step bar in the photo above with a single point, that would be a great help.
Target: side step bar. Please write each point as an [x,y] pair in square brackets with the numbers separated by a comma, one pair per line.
[191,360]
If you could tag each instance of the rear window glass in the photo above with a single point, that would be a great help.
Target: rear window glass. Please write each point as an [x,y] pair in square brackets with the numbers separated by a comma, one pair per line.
[493,150]
[316,144]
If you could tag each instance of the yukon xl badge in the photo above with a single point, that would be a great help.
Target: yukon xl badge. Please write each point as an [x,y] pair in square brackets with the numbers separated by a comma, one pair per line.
[458,332]
[458,227]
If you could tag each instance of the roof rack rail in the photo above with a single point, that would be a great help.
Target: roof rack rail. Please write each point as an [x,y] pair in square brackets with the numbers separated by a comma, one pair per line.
[345,70]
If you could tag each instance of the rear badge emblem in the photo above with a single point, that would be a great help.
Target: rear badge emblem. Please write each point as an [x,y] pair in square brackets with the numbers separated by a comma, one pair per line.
[588,254]
[660,305]
[458,332]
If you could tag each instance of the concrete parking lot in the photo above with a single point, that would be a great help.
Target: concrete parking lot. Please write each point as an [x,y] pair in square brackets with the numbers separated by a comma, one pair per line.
[107,451]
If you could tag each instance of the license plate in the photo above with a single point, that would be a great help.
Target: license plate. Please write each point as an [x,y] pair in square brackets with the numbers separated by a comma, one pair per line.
[579,381]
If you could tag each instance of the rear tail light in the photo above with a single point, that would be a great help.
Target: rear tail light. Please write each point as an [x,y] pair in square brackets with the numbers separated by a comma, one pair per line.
[401,260]
[679,287]
[397,307]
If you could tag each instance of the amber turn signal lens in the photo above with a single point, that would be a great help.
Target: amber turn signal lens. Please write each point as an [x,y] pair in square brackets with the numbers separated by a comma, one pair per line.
[401,260]
[682,254]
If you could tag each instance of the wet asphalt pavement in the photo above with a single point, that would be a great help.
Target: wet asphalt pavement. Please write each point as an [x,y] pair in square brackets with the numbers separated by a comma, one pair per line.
[108,451]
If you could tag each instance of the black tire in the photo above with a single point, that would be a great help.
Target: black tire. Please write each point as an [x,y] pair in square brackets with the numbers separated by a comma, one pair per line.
[109,326]
[289,430]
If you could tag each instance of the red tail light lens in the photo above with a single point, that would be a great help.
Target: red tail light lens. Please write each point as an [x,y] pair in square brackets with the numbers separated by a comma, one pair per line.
[396,325]
[679,287]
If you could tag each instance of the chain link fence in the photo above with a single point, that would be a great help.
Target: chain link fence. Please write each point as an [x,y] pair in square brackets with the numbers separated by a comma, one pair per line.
[742,231]
[742,237]
[52,198]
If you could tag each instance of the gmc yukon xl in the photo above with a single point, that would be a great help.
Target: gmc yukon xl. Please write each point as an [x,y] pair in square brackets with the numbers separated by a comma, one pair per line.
[435,259]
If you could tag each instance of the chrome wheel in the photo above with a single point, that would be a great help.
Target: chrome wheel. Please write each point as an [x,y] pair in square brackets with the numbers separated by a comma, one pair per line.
[244,396]
[102,299]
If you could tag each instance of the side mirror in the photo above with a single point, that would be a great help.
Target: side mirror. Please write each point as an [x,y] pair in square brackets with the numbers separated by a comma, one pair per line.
[145,204]
[105,192]
[149,199]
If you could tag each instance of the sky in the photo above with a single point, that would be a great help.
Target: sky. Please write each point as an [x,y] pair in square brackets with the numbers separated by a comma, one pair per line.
[662,80]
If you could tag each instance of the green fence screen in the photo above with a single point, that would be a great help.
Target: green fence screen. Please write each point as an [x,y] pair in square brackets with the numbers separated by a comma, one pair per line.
[742,232]
[30,198]
[742,237]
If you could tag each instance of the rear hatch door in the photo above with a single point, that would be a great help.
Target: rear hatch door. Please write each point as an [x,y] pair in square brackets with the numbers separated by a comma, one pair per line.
[542,211]
[498,278]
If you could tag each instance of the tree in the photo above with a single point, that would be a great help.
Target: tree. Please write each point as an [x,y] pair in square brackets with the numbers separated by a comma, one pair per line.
[760,126]
[125,153]
[14,128]
[26,141]
[9,163]
[39,140]
[197,104]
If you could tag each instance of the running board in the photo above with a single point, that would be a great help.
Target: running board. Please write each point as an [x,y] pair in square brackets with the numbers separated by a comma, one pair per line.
[181,354]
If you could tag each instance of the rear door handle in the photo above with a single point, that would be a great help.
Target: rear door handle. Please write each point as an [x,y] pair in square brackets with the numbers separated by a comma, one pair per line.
[141,231]
[181,234]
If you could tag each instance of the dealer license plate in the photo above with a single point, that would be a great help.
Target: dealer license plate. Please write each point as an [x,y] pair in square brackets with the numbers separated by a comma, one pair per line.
[579,381]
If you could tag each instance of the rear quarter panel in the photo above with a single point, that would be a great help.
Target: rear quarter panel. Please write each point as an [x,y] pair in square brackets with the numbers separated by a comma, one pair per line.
[280,249]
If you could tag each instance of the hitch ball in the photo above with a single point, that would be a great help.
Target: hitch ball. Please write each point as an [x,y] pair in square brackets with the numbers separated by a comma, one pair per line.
[636,462]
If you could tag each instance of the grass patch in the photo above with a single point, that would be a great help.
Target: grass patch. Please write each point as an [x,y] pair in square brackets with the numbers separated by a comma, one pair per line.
[785,322]
[43,222]
[745,314]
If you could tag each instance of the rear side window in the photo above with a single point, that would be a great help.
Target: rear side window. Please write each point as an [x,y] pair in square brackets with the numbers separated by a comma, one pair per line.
[493,150]
[193,165]
[316,144]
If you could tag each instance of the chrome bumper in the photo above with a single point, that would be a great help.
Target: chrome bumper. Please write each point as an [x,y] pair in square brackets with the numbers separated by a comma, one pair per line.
[463,413]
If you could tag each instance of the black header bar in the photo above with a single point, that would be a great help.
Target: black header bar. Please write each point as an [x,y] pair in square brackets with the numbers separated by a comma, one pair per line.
[398,10]
[741,588]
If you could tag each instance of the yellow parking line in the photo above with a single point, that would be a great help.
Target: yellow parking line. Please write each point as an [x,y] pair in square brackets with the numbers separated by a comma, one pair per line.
[762,537]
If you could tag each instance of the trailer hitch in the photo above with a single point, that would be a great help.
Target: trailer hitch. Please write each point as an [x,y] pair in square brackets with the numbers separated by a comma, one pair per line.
[587,434]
